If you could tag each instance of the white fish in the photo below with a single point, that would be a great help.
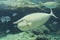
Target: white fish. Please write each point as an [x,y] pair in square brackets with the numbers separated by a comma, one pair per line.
[51,4]
[7,18]
[55,22]
[2,19]
[7,31]
[14,14]
[33,21]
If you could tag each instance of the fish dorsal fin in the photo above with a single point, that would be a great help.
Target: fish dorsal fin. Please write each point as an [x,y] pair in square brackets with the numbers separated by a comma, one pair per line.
[52,13]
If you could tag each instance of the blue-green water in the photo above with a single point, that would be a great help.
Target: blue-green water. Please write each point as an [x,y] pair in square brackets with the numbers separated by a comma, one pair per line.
[10,31]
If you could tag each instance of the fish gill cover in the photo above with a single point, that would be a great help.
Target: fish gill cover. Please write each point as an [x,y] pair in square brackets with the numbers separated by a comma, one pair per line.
[13,10]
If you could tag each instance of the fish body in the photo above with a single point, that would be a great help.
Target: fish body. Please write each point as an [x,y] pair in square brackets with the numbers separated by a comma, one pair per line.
[33,21]
[50,4]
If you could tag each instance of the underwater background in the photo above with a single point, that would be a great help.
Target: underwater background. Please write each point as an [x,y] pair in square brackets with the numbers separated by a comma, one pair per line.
[13,10]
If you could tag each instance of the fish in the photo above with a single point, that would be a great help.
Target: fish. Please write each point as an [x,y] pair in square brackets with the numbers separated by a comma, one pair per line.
[33,21]
[14,14]
[51,5]
[7,18]
[55,22]
[4,19]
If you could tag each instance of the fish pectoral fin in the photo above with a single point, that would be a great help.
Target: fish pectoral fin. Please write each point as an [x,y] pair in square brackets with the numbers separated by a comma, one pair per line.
[43,27]
[29,24]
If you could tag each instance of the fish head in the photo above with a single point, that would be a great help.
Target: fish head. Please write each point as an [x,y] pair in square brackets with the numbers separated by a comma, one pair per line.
[24,25]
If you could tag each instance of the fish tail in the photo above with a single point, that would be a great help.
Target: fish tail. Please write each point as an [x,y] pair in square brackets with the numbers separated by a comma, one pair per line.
[53,14]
